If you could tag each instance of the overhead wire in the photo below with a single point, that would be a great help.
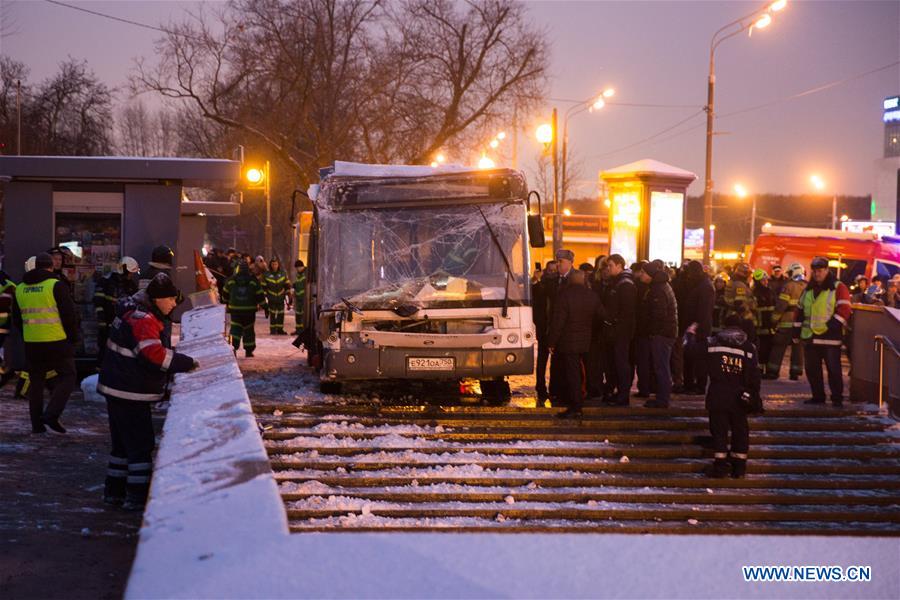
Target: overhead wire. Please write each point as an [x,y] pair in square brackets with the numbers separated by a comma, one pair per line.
[123,20]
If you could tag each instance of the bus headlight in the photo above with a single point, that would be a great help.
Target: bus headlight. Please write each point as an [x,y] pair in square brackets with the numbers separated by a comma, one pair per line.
[351,359]
[512,338]
[510,358]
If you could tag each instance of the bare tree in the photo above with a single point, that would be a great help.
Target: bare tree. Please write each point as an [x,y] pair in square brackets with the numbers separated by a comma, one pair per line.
[311,81]
[71,113]
[141,132]
[542,172]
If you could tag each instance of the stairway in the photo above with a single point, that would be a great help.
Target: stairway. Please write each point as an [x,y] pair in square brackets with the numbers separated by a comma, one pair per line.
[821,471]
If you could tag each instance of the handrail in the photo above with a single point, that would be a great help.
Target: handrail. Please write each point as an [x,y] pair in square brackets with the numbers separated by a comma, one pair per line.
[880,342]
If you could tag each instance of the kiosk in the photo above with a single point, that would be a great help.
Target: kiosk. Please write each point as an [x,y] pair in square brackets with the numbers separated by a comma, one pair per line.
[104,208]
[646,210]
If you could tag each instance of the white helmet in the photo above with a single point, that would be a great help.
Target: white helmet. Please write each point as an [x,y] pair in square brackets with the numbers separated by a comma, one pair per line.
[129,264]
[30,264]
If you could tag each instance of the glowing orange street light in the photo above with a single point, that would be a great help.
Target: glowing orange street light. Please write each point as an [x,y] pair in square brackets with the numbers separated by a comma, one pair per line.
[485,162]
[544,133]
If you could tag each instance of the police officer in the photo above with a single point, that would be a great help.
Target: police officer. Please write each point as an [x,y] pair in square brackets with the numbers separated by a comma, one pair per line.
[299,298]
[569,337]
[822,313]
[733,392]
[783,322]
[276,287]
[243,295]
[135,371]
[45,313]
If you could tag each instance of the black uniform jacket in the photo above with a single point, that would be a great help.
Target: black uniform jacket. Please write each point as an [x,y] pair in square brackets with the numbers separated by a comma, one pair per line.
[733,368]
[574,312]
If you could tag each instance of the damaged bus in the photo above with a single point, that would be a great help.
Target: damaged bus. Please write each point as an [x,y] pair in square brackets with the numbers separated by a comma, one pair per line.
[421,273]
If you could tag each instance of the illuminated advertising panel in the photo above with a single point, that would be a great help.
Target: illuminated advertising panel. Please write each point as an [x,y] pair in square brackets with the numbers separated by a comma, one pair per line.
[666,226]
[877,227]
[626,223]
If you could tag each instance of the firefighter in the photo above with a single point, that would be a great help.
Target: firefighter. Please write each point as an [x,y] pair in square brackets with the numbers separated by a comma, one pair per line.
[276,287]
[243,295]
[45,313]
[765,306]
[135,372]
[783,322]
[822,314]
[719,306]
[299,299]
[7,292]
[738,291]
[109,289]
[733,393]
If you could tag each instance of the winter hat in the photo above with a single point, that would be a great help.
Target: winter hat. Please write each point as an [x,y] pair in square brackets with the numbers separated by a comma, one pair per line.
[43,261]
[651,268]
[162,257]
[563,254]
[819,262]
[161,286]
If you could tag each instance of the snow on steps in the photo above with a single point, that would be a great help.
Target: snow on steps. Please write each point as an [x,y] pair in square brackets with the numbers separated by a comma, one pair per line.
[373,468]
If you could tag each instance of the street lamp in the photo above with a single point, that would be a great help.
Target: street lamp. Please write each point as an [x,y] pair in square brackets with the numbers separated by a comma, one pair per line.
[742,193]
[757,19]
[590,104]
[257,178]
[820,185]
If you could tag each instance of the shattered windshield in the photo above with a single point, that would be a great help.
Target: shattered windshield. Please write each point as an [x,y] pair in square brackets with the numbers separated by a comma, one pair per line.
[427,257]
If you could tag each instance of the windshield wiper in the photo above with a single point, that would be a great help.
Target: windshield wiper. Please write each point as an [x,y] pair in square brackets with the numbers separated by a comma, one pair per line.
[505,262]
[352,306]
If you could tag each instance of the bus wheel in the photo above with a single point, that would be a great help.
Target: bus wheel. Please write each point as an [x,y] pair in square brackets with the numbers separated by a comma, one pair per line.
[495,392]
[330,387]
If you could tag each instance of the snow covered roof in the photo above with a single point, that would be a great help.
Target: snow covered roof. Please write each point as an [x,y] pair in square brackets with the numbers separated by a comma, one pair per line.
[647,166]
[352,169]
[191,172]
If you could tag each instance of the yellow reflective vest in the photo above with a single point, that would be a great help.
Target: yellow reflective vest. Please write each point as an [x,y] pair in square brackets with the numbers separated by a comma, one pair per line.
[40,315]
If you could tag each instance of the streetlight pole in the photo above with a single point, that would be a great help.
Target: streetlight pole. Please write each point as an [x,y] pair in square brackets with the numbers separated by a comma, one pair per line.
[268,229]
[834,211]
[759,18]
[753,222]
[557,220]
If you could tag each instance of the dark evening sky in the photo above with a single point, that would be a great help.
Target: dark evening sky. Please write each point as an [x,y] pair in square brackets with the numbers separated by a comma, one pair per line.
[651,53]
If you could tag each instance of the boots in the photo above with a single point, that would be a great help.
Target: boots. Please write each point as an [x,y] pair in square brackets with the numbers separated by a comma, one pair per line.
[719,469]
[738,467]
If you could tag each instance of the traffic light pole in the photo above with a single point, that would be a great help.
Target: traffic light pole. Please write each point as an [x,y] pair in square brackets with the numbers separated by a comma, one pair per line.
[268,230]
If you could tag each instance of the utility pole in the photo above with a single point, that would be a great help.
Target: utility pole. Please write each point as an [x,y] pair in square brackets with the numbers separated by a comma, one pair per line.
[557,220]
[268,230]
[834,211]
[18,117]
[708,188]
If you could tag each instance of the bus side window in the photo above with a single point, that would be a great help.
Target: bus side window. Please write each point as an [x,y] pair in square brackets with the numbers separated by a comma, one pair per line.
[886,269]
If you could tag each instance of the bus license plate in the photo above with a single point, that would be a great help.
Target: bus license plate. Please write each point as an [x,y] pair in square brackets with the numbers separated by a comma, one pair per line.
[430,364]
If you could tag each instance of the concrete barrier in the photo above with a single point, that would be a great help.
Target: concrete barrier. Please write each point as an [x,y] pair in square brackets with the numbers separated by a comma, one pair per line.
[213,491]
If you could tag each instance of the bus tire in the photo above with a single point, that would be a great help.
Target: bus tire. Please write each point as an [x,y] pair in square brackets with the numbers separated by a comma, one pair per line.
[330,387]
[495,392]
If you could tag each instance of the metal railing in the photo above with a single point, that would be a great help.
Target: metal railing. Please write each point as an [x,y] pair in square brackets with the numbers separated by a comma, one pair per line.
[888,378]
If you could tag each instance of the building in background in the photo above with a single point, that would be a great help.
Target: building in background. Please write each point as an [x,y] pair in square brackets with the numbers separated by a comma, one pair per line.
[886,192]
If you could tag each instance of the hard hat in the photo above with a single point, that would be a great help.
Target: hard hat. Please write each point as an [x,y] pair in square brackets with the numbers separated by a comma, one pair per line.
[742,270]
[30,263]
[162,255]
[129,264]
[759,275]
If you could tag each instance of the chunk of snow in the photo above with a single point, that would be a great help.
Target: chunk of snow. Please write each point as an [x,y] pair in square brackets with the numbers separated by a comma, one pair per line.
[624,459]
[693,521]
[89,389]
[509,500]
[277,412]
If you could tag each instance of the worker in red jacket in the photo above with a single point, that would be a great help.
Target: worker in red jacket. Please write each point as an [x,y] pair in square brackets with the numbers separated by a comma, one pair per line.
[136,368]
[822,314]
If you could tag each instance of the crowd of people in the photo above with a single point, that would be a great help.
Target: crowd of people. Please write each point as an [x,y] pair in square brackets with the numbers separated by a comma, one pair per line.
[247,285]
[686,331]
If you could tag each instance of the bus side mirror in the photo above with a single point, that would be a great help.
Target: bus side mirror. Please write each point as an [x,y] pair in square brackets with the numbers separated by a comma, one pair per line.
[536,231]
[535,222]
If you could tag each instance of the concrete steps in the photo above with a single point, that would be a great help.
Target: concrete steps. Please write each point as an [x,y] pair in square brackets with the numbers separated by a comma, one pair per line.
[626,470]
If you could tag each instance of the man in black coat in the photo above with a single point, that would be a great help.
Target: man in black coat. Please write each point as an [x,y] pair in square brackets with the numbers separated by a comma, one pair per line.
[569,338]
[660,316]
[543,292]
[698,314]
[733,393]
[565,260]
[619,299]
